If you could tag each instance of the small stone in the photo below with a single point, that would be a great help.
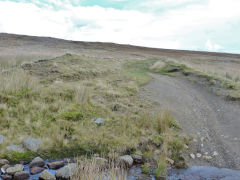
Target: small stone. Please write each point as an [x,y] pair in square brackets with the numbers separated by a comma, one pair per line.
[56,165]
[215,153]
[138,159]
[22,175]
[3,162]
[4,168]
[32,144]
[67,171]
[186,146]
[207,157]
[99,121]
[198,155]
[125,160]
[6,177]
[1,139]
[15,148]
[36,170]
[14,169]
[192,156]
[37,162]
[45,175]
[170,161]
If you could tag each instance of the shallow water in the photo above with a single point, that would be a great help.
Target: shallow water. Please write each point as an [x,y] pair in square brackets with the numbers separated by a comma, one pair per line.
[192,173]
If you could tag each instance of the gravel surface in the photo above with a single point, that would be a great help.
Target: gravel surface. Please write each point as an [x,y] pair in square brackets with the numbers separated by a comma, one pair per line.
[213,121]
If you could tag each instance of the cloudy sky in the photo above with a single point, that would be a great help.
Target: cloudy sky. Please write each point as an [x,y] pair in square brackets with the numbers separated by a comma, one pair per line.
[209,25]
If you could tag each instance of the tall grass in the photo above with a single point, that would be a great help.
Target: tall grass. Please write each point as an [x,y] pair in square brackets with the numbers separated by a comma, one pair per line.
[90,169]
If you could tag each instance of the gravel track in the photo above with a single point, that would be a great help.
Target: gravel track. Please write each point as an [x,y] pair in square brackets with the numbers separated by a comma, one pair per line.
[213,121]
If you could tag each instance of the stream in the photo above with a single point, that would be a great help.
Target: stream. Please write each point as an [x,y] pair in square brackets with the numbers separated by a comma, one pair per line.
[191,173]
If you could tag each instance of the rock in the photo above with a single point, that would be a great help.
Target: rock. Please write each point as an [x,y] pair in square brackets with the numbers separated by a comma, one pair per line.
[4,168]
[36,170]
[37,162]
[46,176]
[215,153]
[125,160]
[3,162]
[192,156]
[22,175]
[1,139]
[15,148]
[6,177]
[170,161]
[207,157]
[32,144]
[138,159]
[56,165]
[67,172]
[99,121]
[198,155]
[14,169]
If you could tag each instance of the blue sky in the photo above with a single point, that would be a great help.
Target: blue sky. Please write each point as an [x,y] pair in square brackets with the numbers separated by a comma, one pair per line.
[208,25]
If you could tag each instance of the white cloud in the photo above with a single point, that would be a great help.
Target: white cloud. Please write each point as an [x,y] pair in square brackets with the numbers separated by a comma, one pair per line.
[211,46]
[188,27]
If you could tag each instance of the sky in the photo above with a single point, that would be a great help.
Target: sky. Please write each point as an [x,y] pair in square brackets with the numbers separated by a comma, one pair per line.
[206,25]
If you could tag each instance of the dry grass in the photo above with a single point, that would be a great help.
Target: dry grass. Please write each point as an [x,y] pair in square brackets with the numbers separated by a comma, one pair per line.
[91,169]
[41,103]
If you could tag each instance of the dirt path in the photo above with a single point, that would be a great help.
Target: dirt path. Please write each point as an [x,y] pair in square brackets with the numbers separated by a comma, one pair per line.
[214,122]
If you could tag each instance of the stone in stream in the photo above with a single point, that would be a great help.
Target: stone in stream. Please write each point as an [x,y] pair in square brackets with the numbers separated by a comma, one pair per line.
[6,177]
[45,175]
[32,144]
[36,170]
[137,159]
[15,148]
[22,175]
[3,162]
[4,168]
[56,165]
[67,171]
[1,139]
[125,160]
[14,169]
[37,162]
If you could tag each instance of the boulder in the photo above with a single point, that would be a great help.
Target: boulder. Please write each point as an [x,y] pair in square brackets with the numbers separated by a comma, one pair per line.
[56,165]
[36,170]
[14,169]
[137,159]
[67,171]
[1,139]
[46,176]
[15,148]
[22,175]
[4,168]
[32,144]
[6,177]
[3,162]
[37,162]
[125,160]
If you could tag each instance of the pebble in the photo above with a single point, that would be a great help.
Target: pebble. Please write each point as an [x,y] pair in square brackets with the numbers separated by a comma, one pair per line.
[192,156]
[198,155]
[36,170]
